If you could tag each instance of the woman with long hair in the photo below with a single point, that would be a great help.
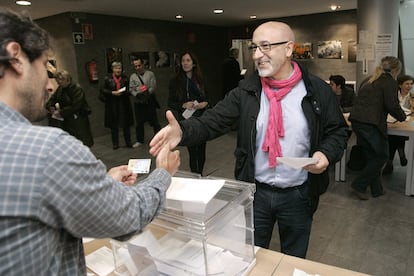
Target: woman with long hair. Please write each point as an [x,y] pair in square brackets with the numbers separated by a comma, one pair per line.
[377,97]
[187,97]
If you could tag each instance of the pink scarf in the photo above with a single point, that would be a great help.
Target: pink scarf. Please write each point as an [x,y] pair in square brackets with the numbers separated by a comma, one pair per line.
[275,124]
[117,81]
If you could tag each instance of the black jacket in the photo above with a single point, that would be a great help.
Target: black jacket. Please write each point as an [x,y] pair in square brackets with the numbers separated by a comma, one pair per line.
[325,120]
[374,102]
[118,109]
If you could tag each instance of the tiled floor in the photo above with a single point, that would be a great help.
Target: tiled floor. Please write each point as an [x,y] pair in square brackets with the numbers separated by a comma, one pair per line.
[374,236]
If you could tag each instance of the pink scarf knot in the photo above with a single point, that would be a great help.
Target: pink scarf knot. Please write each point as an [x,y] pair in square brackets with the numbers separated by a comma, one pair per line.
[275,128]
[117,81]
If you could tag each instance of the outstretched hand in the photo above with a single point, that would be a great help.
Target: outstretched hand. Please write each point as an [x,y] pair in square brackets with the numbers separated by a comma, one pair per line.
[169,135]
[122,174]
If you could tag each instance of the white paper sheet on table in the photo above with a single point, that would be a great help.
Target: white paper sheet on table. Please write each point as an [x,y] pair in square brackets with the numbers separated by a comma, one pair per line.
[101,261]
[296,162]
[193,190]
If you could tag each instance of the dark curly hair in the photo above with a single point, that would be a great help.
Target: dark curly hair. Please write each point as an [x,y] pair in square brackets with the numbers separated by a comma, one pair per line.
[21,29]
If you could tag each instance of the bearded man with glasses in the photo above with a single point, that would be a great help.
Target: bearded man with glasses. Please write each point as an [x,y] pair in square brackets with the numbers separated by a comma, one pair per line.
[284,112]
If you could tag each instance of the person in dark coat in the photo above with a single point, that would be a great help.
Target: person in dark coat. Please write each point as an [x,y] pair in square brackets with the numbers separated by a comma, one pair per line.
[344,93]
[231,71]
[118,108]
[377,97]
[187,95]
[69,106]
[283,111]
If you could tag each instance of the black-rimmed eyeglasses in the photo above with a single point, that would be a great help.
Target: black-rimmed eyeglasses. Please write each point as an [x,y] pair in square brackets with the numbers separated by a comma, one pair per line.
[264,46]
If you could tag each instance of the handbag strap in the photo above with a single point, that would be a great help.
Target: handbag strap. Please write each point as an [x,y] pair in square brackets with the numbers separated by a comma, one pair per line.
[140,79]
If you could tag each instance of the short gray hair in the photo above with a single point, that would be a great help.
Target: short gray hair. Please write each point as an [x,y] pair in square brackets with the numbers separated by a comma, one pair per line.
[116,64]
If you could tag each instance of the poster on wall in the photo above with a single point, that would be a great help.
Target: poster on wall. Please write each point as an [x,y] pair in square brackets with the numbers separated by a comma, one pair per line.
[302,50]
[352,51]
[331,49]
[112,54]
[162,59]
[144,56]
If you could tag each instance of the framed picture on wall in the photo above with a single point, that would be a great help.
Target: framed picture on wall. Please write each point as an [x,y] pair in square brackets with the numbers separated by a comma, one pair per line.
[112,54]
[302,50]
[162,59]
[331,49]
[144,56]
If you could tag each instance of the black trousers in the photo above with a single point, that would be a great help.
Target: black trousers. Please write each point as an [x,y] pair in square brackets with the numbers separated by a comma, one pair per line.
[145,113]
[197,157]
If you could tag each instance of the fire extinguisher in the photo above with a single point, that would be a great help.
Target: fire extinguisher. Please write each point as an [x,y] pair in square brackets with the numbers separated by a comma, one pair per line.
[92,70]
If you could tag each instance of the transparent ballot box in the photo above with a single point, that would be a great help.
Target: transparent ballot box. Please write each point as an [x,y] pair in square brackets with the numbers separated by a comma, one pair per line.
[195,238]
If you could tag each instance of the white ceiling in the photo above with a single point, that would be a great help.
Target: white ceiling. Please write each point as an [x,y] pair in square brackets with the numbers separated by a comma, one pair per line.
[236,12]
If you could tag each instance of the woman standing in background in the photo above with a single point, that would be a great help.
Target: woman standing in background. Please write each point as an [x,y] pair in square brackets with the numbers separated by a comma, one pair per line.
[187,98]
[376,98]
[118,109]
[68,105]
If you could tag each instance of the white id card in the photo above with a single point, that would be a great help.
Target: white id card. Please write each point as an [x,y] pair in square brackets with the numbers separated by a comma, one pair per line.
[139,165]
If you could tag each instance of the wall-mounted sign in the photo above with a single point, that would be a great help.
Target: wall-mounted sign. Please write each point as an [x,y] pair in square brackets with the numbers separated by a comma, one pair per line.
[78,38]
[87,31]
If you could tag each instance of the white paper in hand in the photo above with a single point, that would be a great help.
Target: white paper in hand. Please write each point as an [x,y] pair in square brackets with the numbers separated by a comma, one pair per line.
[296,162]
[188,113]
[139,165]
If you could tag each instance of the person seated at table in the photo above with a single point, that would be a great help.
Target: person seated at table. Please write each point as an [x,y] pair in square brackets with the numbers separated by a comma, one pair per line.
[396,142]
[344,93]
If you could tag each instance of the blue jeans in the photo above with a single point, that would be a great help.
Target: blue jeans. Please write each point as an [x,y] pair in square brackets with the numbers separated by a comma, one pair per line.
[375,148]
[290,209]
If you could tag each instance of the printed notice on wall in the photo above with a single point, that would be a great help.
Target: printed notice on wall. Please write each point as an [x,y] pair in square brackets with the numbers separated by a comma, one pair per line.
[383,46]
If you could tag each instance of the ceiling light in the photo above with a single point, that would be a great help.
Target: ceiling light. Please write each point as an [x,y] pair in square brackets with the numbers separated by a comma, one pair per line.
[179,16]
[23,3]
[335,7]
[253,16]
[218,11]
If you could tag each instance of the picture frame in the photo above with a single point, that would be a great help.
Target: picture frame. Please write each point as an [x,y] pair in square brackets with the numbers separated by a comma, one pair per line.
[330,49]
[302,50]
[162,59]
[112,54]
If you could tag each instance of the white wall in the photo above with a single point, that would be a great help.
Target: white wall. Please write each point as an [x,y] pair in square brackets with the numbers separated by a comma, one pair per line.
[407,34]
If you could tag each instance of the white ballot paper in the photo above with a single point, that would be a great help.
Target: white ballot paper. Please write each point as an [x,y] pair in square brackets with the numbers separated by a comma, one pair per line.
[123,89]
[101,261]
[296,162]
[188,112]
[139,165]
[193,190]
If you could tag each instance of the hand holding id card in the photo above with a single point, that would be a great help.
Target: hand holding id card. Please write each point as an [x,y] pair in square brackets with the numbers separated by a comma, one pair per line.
[139,165]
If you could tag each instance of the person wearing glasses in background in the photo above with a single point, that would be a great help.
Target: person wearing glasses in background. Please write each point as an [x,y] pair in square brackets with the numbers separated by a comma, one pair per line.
[283,111]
